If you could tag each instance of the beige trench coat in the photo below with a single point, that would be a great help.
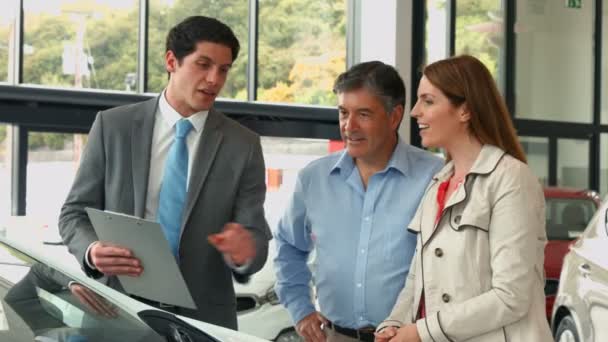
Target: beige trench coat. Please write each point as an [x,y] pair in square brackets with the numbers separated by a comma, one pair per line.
[481,266]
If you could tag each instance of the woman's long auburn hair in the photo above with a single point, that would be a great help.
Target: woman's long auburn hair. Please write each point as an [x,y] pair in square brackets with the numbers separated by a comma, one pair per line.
[465,80]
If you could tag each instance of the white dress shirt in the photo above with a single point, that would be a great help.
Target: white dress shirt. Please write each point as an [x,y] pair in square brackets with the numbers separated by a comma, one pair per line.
[162,138]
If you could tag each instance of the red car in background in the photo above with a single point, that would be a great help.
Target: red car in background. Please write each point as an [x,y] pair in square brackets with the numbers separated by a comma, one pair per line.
[568,212]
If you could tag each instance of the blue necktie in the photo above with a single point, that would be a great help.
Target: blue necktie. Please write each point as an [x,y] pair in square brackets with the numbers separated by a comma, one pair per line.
[174,186]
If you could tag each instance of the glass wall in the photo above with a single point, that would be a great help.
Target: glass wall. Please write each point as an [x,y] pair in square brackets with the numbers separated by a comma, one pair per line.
[302,49]
[480,32]
[537,153]
[554,61]
[7,24]
[81,44]
[284,158]
[5,172]
[51,156]
[573,163]
[164,14]
[436,35]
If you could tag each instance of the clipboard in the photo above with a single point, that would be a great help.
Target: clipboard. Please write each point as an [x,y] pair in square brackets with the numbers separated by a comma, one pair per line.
[161,279]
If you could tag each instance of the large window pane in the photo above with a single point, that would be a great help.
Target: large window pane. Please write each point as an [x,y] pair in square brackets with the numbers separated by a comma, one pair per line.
[479,32]
[284,158]
[604,165]
[537,153]
[5,172]
[554,61]
[302,49]
[164,14]
[53,160]
[81,44]
[436,31]
[573,163]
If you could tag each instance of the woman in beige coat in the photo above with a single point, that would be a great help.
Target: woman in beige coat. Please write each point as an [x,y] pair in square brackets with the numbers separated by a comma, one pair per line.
[478,270]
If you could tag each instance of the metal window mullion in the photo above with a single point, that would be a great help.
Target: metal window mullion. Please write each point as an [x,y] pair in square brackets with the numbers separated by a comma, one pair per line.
[353,32]
[142,57]
[418,58]
[252,57]
[451,26]
[553,161]
[18,169]
[595,153]
[509,55]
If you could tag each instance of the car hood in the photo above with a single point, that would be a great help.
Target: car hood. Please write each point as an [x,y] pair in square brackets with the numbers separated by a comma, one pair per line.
[21,236]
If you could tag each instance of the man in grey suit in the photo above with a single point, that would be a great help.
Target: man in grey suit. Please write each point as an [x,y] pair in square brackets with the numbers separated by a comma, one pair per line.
[206,185]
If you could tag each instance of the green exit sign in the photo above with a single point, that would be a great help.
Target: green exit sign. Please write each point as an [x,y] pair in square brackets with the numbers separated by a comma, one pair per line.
[574,3]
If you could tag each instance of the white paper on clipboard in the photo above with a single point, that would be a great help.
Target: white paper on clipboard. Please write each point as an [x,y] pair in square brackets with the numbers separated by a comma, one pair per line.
[161,279]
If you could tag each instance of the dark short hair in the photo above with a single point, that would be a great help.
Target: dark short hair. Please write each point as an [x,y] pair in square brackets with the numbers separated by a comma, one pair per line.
[380,79]
[183,37]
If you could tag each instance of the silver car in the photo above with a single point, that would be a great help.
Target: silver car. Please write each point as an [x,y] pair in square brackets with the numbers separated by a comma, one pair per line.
[580,312]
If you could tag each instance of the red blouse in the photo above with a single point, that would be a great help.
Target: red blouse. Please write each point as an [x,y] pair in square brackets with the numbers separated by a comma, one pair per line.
[441,192]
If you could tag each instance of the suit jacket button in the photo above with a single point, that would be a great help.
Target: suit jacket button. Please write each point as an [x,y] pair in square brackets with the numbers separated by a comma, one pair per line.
[457,219]
[438,252]
[445,297]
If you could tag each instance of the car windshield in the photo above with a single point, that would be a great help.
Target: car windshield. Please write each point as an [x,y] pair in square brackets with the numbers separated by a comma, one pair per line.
[568,217]
[36,304]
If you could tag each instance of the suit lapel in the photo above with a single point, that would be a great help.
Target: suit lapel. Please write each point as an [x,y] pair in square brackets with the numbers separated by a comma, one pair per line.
[203,160]
[141,144]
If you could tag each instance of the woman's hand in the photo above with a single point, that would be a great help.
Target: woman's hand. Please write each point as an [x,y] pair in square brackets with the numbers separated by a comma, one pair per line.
[407,333]
[385,334]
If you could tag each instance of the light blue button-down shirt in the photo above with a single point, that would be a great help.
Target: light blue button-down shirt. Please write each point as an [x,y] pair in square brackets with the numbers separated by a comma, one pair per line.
[362,247]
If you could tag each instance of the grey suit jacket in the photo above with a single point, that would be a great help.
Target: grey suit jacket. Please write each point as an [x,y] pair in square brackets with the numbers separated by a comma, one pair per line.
[227,185]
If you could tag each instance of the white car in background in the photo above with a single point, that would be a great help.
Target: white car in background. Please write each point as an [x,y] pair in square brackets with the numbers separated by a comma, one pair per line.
[36,303]
[259,311]
[580,311]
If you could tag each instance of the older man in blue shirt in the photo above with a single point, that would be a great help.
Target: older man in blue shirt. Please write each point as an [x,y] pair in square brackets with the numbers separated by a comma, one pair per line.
[352,208]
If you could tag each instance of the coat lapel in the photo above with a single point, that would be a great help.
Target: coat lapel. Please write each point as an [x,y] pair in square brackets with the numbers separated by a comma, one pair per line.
[141,144]
[203,160]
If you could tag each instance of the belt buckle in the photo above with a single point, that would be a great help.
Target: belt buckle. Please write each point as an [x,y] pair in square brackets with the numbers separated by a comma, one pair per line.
[364,331]
[165,306]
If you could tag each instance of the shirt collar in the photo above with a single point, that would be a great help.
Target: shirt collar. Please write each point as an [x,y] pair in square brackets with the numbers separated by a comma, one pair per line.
[171,116]
[398,161]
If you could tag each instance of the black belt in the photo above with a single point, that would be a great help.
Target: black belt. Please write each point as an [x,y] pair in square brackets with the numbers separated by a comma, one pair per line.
[364,334]
[157,304]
